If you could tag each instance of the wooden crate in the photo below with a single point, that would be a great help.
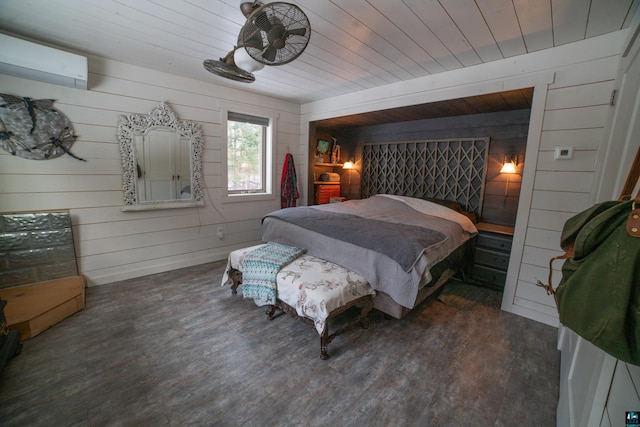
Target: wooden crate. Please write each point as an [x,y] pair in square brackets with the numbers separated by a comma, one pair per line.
[324,192]
[34,308]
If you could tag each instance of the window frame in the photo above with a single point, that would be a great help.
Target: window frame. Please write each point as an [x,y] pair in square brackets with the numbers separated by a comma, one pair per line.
[269,148]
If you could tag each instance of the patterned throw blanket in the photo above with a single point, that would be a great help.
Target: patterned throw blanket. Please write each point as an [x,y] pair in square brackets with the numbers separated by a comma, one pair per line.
[260,268]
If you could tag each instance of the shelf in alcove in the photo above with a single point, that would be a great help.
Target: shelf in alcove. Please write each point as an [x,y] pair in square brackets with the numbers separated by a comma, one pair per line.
[328,164]
[327,182]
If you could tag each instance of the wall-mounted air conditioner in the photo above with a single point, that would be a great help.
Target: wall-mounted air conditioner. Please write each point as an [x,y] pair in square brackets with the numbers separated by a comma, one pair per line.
[32,61]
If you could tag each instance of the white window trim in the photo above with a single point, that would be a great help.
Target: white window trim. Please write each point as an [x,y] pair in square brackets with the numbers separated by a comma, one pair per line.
[270,192]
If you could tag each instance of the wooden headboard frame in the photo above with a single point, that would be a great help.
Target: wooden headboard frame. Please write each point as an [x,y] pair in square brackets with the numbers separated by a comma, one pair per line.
[447,169]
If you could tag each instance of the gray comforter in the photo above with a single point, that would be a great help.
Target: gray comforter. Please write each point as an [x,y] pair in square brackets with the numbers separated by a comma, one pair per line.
[401,242]
[365,242]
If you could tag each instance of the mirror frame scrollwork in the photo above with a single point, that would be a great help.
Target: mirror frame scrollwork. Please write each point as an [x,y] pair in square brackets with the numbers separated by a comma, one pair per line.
[163,117]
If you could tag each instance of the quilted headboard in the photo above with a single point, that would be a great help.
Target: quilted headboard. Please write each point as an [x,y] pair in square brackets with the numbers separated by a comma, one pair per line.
[451,169]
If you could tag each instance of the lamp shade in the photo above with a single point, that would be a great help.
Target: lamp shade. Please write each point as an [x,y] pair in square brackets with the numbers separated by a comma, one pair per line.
[243,60]
[348,165]
[508,167]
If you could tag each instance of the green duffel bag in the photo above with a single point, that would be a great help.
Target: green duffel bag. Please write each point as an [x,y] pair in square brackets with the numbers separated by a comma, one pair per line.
[599,294]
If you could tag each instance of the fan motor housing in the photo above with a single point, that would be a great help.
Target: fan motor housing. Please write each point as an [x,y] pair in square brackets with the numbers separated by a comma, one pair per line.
[274,34]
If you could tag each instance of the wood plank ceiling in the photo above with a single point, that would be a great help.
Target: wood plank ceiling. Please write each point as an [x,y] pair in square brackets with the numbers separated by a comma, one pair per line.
[504,101]
[355,44]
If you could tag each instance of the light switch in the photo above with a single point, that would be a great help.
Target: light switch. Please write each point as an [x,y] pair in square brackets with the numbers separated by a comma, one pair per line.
[563,153]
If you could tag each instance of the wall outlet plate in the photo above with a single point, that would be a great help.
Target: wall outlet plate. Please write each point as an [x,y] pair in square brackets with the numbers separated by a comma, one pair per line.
[563,153]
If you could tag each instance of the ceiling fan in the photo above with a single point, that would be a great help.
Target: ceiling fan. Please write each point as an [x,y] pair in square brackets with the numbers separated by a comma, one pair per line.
[274,34]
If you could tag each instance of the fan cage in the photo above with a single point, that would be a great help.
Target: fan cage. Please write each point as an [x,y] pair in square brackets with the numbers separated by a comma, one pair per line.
[255,37]
[232,72]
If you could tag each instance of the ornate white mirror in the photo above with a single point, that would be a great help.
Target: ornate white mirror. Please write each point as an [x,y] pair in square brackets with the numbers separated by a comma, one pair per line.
[161,160]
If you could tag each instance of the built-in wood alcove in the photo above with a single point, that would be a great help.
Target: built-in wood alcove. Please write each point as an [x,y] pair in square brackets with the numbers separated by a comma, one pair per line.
[503,117]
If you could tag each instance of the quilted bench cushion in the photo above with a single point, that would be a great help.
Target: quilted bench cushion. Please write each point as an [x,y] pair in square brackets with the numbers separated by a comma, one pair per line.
[313,286]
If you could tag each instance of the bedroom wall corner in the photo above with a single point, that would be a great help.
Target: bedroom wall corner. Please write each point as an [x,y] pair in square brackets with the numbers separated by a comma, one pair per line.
[113,245]
[577,79]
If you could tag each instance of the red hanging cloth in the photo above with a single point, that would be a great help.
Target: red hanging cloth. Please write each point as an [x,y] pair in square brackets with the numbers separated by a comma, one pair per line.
[288,184]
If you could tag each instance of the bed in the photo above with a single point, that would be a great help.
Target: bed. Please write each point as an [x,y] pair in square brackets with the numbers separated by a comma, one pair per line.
[406,248]
[403,248]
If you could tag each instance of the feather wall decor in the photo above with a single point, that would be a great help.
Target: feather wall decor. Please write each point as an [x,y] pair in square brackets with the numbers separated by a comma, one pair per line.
[33,129]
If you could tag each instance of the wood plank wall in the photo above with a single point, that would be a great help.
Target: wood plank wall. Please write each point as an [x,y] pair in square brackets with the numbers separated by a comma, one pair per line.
[576,114]
[114,245]
[508,133]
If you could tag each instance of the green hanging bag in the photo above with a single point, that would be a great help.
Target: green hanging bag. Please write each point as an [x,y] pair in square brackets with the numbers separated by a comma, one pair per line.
[599,294]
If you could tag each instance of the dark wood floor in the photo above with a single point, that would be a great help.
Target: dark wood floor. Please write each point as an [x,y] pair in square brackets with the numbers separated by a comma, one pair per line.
[177,349]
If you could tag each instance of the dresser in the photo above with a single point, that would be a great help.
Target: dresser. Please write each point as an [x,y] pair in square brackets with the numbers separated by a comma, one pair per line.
[491,255]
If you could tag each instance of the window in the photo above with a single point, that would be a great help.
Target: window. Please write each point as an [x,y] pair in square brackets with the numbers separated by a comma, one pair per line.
[248,148]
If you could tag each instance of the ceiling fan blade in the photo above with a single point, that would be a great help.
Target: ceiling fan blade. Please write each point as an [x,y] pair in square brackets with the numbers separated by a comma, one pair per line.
[251,37]
[269,53]
[296,32]
[255,43]
[262,21]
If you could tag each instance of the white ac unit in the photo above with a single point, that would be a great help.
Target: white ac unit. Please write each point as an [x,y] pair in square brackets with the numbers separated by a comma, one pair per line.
[32,61]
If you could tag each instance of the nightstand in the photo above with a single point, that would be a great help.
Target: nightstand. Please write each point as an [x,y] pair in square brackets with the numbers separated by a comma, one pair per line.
[491,255]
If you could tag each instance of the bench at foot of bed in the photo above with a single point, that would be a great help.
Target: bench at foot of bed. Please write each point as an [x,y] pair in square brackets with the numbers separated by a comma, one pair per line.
[314,291]
[365,304]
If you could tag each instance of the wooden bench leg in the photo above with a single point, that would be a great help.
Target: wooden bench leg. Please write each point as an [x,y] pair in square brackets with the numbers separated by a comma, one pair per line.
[324,342]
[367,306]
[271,310]
[236,280]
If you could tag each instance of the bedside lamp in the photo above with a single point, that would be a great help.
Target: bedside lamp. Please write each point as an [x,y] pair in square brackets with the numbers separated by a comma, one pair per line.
[348,166]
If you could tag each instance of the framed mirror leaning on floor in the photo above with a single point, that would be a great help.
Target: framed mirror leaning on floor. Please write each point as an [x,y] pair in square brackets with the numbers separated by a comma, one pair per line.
[161,160]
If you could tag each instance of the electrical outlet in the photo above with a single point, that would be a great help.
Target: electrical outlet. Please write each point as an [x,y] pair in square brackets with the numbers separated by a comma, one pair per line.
[220,233]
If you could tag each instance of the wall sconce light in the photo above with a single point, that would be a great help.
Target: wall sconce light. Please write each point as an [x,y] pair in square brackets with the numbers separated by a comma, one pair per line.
[509,167]
[349,166]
